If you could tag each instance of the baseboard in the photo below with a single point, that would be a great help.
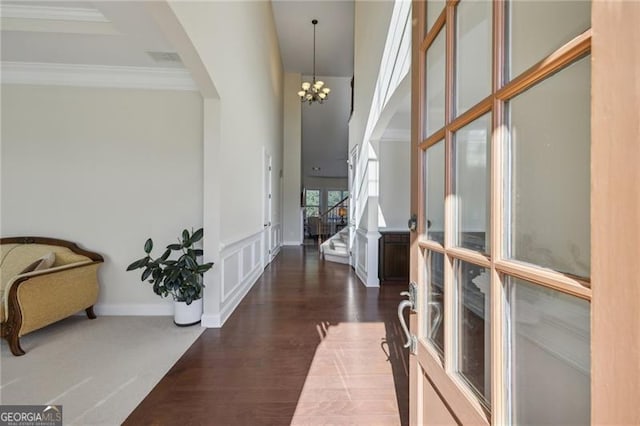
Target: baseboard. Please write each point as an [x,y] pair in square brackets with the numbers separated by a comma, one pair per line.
[364,279]
[211,321]
[127,309]
[292,243]
[230,305]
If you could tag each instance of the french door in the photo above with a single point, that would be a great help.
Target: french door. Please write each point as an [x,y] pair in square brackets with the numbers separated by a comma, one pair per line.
[501,190]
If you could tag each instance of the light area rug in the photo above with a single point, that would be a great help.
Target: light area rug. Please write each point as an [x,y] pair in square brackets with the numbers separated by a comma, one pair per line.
[99,370]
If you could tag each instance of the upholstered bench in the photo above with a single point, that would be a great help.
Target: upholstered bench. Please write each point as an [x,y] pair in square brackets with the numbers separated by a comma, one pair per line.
[43,280]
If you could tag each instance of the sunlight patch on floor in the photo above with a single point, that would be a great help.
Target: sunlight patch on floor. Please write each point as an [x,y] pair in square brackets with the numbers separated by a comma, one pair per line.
[350,380]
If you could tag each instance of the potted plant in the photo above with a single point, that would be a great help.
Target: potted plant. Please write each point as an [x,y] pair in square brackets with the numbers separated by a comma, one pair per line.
[181,278]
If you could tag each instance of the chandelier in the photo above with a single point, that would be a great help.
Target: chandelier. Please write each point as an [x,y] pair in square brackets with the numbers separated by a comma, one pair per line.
[316,91]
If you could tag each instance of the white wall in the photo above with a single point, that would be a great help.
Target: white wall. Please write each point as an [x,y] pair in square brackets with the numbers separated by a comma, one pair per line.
[371,76]
[314,182]
[106,168]
[292,212]
[371,17]
[325,131]
[369,42]
[395,185]
[238,45]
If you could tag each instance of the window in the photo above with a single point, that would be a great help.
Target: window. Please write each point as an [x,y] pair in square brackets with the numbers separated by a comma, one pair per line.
[504,204]
[335,196]
[312,202]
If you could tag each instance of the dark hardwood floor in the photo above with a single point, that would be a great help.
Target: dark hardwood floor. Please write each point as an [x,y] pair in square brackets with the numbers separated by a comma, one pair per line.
[309,344]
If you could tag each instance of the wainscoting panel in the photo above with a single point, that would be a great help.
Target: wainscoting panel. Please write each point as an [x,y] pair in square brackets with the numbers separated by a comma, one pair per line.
[230,273]
[247,260]
[240,267]
[257,247]
[276,240]
[361,255]
[367,257]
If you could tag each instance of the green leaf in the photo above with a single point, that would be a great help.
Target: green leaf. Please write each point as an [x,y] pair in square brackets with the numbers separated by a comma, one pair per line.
[146,274]
[204,267]
[190,262]
[138,264]
[174,247]
[185,238]
[197,236]
[148,246]
[174,275]
[165,255]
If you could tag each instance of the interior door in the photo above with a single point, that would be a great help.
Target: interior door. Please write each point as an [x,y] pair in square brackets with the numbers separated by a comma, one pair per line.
[500,255]
[266,248]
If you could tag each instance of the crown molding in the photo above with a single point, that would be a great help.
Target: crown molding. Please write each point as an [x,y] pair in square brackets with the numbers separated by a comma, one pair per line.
[52,13]
[96,76]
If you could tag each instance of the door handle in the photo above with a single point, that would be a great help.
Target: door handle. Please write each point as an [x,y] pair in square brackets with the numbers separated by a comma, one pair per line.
[409,303]
[404,304]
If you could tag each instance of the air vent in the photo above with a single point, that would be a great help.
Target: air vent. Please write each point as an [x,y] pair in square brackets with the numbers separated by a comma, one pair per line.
[165,57]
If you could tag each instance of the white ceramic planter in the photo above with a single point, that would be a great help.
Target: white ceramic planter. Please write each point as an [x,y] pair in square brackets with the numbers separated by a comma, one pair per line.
[184,315]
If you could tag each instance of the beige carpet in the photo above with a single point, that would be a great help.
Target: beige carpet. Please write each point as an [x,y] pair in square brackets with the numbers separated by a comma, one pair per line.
[98,370]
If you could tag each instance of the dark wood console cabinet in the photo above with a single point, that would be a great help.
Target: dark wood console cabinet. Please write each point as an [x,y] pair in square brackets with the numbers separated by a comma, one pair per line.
[393,257]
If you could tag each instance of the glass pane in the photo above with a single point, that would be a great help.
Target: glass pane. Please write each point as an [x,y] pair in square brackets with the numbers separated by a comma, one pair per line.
[333,198]
[550,359]
[434,192]
[473,53]
[474,329]
[434,9]
[312,197]
[472,152]
[435,74]
[434,318]
[538,28]
[312,211]
[550,176]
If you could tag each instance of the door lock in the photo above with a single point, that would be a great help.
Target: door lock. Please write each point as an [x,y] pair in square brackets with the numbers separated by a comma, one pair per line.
[413,223]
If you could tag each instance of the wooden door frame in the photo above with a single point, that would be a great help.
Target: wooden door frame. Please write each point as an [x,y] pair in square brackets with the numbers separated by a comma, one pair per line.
[615,213]
[613,288]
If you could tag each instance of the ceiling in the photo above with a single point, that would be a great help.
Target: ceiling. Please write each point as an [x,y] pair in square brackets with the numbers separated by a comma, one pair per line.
[325,129]
[334,36]
[122,33]
[89,33]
